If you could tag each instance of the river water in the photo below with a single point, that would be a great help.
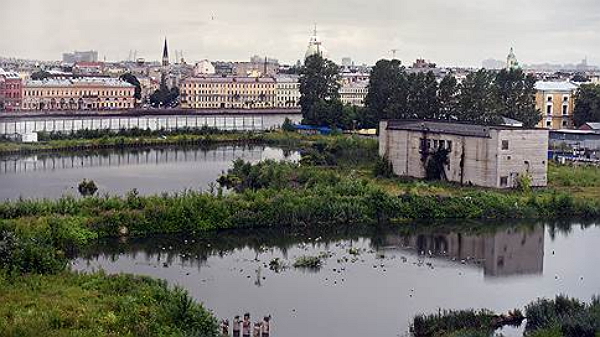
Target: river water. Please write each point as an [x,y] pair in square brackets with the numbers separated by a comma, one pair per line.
[390,276]
[150,171]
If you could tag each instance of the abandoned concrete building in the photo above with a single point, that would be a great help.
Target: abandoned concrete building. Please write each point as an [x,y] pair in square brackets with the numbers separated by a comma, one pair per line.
[489,156]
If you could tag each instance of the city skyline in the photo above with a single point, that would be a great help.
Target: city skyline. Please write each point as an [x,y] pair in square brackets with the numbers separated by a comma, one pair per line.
[451,34]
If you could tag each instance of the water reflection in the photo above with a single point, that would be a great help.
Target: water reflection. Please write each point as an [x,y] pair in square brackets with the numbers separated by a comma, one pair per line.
[501,252]
[373,281]
[509,251]
[151,170]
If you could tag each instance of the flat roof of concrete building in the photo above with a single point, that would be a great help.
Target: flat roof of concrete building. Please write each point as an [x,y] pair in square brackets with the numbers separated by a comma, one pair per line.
[453,128]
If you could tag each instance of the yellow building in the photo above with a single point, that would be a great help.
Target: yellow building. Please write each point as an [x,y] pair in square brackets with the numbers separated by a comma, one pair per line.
[89,93]
[556,101]
[218,92]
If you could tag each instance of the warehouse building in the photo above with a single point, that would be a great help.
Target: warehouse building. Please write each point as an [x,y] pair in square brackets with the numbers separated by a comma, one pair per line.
[490,156]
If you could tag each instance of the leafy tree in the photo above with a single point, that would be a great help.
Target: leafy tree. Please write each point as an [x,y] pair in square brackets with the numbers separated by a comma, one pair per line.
[422,96]
[515,93]
[165,97]
[587,104]
[319,86]
[477,101]
[40,75]
[448,98]
[387,92]
[131,79]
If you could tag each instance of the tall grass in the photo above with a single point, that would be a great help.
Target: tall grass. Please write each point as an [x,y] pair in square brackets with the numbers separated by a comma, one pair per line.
[70,304]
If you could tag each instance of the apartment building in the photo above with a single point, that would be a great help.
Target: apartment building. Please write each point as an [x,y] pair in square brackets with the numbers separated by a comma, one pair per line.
[88,93]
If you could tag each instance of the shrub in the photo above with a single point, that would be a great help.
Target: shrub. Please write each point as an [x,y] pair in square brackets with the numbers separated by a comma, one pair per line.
[87,188]
[310,262]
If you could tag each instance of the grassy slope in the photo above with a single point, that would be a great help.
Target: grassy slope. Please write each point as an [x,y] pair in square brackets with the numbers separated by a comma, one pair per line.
[69,304]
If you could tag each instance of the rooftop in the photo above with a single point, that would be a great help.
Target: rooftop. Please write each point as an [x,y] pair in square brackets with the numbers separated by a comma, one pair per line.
[230,79]
[90,81]
[593,125]
[454,128]
[555,86]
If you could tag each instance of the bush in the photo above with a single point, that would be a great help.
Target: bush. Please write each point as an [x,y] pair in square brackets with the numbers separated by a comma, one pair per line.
[87,188]
[573,317]
[29,255]
[383,168]
[310,262]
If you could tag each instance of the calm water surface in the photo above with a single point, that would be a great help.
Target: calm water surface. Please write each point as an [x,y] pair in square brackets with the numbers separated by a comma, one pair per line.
[151,171]
[375,293]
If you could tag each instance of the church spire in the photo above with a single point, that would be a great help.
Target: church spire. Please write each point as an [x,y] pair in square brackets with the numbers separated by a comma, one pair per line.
[165,55]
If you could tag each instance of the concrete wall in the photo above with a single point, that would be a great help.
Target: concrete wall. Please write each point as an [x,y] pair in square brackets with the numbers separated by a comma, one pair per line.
[527,152]
[484,160]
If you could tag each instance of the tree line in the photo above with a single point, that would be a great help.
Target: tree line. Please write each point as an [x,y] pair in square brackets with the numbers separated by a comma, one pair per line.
[483,97]
[587,104]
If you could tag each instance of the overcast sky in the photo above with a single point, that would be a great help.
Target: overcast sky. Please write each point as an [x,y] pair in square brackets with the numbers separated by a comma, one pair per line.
[449,32]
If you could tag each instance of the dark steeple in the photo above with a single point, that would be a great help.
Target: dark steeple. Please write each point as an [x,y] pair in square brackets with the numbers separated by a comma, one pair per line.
[165,55]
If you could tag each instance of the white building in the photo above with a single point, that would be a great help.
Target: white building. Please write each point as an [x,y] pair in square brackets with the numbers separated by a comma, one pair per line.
[490,156]
[287,91]
[354,93]
[204,67]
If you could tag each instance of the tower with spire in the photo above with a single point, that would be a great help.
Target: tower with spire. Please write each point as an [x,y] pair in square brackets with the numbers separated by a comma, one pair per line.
[314,46]
[511,60]
[165,55]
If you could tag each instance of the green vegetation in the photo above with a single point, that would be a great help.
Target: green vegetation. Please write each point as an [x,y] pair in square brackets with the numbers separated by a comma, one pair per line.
[561,317]
[70,304]
[310,262]
[570,317]
[87,188]
[334,186]
[587,104]
[483,97]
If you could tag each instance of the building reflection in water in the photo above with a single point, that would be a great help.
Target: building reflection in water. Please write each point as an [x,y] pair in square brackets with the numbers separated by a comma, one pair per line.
[510,251]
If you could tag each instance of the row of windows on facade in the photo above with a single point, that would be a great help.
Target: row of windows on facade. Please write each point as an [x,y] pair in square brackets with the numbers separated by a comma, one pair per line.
[435,144]
[37,93]
[565,98]
[244,92]
[565,109]
[564,124]
[442,144]
[9,86]
[232,105]
[227,99]
[213,85]
[78,105]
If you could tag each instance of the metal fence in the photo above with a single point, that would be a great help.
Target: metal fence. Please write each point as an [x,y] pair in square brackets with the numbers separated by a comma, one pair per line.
[69,124]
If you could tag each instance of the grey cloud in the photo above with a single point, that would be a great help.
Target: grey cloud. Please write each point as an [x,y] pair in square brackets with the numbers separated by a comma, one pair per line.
[458,32]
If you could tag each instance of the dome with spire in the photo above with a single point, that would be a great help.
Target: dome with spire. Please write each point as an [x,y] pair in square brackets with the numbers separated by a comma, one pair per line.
[511,60]
[315,46]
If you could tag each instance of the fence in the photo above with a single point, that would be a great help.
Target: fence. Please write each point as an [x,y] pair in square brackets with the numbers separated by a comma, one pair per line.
[69,124]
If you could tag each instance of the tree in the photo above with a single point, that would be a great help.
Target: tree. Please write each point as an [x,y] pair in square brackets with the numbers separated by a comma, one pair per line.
[448,98]
[131,79]
[165,97]
[477,101]
[422,96]
[387,92]
[587,104]
[40,75]
[515,94]
[319,84]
